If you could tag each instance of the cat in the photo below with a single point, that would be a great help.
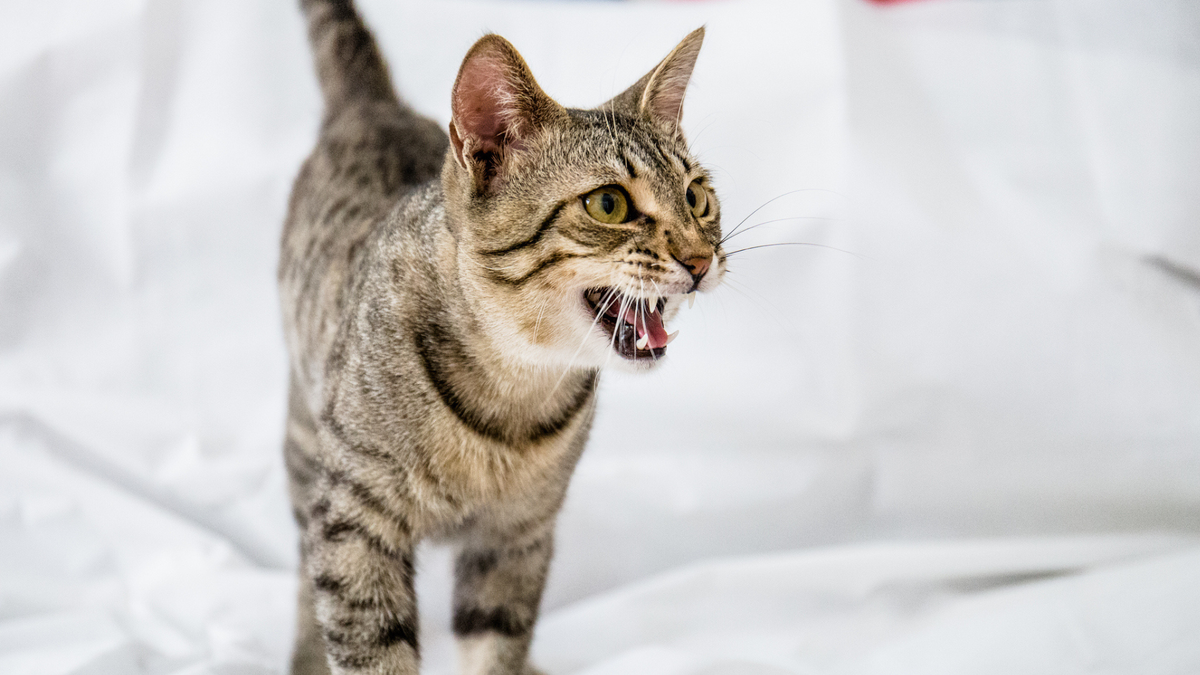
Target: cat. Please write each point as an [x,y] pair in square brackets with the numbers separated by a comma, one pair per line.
[448,302]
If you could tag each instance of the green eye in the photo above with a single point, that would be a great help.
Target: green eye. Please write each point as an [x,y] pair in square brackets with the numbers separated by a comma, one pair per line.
[607,204]
[697,198]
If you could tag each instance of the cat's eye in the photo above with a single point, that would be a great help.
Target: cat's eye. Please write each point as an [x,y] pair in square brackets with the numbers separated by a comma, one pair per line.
[608,204]
[697,198]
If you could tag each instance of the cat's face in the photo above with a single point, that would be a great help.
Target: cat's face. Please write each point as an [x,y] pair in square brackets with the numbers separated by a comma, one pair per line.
[585,234]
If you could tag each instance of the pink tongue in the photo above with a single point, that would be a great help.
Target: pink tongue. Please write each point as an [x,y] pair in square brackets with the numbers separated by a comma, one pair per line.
[647,325]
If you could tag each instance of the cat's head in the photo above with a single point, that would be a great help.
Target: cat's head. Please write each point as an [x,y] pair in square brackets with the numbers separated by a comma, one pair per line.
[580,232]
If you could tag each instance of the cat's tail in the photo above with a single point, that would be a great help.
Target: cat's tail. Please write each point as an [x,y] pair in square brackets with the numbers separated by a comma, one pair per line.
[349,65]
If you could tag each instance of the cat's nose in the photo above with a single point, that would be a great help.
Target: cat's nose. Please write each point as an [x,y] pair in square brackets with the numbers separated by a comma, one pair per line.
[697,267]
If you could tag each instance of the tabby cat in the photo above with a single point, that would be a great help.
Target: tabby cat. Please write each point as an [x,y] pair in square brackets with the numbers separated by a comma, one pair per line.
[448,302]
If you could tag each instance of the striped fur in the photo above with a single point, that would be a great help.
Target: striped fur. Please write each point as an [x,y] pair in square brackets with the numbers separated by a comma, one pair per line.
[443,363]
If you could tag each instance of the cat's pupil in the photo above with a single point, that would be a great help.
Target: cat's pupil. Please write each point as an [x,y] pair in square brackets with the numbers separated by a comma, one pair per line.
[608,203]
[691,197]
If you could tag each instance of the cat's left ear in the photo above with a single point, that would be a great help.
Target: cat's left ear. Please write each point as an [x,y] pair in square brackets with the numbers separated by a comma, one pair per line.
[658,96]
[496,107]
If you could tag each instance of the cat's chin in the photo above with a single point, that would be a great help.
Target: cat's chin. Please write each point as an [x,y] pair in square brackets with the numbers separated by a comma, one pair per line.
[633,326]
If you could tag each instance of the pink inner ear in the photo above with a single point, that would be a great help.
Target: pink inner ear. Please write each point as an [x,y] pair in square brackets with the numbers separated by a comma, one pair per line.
[664,100]
[667,99]
[483,104]
[663,97]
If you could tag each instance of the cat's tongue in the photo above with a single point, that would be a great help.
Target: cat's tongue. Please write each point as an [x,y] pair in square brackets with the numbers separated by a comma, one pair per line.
[649,326]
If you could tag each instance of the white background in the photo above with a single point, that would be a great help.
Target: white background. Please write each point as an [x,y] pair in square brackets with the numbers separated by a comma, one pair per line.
[959,435]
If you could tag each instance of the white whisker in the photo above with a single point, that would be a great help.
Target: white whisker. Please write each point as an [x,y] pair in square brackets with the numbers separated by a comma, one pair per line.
[601,309]
[538,323]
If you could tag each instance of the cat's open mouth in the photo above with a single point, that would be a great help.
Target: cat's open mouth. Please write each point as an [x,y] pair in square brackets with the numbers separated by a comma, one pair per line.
[634,326]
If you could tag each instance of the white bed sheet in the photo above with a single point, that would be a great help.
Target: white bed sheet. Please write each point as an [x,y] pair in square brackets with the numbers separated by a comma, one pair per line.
[959,435]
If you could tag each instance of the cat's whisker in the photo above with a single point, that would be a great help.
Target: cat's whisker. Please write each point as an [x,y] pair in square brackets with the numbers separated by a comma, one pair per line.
[731,235]
[611,346]
[605,304]
[797,243]
[692,143]
[613,293]
[767,203]
[612,343]
[639,318]
[601,309]
[538,323]
[610,124]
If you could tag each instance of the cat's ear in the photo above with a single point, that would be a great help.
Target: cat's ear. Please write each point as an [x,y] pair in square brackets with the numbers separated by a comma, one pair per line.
[658,96]
[496,106]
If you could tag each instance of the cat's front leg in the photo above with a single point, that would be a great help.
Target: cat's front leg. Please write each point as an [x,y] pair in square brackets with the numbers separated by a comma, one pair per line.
[360,569]
[498,587]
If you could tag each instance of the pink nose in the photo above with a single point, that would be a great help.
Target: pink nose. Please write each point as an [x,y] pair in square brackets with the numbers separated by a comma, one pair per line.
[697,266]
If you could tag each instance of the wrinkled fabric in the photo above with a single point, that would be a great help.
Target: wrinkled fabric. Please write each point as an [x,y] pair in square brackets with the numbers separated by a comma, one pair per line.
[952,425]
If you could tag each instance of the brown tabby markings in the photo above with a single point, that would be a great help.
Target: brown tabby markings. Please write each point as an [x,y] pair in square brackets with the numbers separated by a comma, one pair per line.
[444,354]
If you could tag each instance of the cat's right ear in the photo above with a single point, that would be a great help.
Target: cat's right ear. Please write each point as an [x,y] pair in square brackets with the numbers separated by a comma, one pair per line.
[496,106]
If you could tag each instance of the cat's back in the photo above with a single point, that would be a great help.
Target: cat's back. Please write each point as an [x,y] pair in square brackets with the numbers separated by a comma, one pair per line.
[374,169]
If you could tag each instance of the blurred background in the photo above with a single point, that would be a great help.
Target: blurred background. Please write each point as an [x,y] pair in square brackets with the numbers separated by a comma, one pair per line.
[956,431]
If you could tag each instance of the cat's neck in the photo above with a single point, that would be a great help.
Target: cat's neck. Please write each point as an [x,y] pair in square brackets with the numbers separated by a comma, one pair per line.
[488,378]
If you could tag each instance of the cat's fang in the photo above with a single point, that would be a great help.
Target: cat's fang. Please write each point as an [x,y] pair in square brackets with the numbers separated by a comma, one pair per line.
[672,336]
[633,325]
[691,299]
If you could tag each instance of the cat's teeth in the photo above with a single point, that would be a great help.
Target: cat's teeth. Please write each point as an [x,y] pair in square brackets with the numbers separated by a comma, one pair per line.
[643,342]
[672,336]
[653,302]
[691,299]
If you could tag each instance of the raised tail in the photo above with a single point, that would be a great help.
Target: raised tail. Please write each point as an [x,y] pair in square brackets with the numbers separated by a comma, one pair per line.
[349,66]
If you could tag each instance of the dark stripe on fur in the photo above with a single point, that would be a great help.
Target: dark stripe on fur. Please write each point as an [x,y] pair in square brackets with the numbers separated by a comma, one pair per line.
[301,467]
[424,469]
[472,621]
[476,563]
[368,499]
[338,431]
[438,348]
[396,631]
[326,583]
[603,238]
[629,166]
[550,261]
[537,236]
[683,160]
[422,466]
[347,654]
[340,531]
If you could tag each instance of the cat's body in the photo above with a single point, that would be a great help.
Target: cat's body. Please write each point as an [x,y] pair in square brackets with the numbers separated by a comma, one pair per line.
[447,305]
